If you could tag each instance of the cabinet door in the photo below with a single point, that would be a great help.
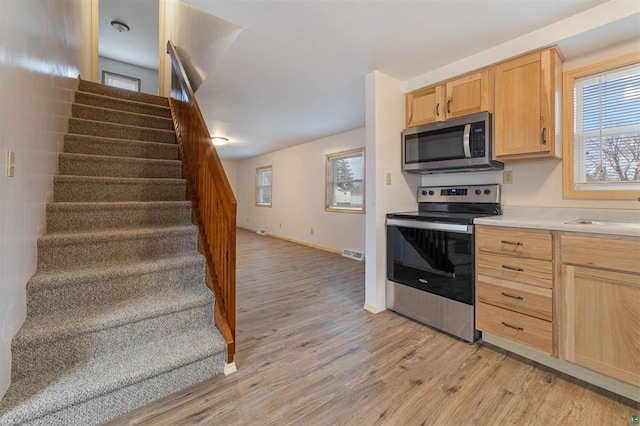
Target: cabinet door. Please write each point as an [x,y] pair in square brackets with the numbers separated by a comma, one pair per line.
[425,106]
[470,94]
[524,116]
[601,321]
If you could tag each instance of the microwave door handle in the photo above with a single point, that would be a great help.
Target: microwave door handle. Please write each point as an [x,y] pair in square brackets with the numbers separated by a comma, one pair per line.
[465,141]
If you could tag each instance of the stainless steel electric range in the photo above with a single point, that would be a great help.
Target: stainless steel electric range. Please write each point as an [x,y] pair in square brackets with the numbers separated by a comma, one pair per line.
[430,256]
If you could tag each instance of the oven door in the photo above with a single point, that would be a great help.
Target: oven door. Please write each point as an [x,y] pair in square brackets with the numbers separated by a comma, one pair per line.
[432,257]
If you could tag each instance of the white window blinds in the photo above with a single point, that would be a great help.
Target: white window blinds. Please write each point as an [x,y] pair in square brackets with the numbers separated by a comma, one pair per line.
[607,130]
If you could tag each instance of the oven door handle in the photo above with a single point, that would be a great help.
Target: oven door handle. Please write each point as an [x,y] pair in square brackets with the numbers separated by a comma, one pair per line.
[436,226]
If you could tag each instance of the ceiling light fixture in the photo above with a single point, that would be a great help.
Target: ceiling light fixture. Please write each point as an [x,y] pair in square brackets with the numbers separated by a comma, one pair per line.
[120,26]
[219,141]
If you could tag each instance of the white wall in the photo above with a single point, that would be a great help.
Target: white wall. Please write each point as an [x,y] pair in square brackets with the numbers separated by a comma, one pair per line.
[40,45]
[200,37]
[298,195]
[148,77]
[231,170]
[385,119]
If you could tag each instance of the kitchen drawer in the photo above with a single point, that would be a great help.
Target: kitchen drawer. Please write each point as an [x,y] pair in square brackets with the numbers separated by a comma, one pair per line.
[527,271]
[606,253]
[522,298]
[519,328]
[518,242]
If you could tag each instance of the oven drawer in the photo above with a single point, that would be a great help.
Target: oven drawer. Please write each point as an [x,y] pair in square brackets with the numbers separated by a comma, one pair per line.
[523,329]
[518,242]
[522,298]
[528,271]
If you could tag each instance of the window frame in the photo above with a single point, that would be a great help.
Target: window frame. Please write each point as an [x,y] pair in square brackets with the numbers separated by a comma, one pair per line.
[257,187]
[106,73]
[335,209]
[568,166]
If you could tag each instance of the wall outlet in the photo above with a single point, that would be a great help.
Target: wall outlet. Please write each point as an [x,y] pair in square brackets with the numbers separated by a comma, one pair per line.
[388,180]
[311,231]
[11,164]
[280,226]
[507,177]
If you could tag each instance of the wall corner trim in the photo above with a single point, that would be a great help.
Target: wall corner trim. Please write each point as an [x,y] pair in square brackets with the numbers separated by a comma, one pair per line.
[372,309]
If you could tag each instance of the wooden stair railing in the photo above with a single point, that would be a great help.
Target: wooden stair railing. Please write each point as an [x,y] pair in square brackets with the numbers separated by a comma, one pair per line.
[214,205]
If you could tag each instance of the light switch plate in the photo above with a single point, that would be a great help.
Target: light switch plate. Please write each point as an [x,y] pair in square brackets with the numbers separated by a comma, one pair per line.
[11,163]
[388,180]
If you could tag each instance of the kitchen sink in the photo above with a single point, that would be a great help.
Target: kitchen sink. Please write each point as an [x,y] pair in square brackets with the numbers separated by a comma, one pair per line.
[603,223]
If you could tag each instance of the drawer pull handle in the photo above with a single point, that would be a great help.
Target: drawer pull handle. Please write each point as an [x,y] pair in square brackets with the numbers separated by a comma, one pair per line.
[515,327]
[513,243]
[511,268]
[512,296]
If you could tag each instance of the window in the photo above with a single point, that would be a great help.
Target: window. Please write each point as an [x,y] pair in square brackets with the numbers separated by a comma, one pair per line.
[263,186]
[602,130]
[120,81]
[345,181]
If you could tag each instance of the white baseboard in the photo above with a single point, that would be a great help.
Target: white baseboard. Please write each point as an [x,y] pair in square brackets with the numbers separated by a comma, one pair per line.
[372,309]
[613,385]
[230,368]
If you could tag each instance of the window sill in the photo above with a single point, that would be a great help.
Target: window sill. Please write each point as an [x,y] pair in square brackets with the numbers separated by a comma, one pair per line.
[344,210]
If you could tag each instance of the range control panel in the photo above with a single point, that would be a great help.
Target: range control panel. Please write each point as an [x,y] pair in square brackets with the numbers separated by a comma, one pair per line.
[459,194]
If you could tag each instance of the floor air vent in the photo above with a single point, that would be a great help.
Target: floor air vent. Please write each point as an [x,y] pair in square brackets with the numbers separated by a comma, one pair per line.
[352,254]
[261,231]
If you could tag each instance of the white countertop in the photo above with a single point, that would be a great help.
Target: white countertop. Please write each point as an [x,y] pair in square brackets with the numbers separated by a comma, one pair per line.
[555,218]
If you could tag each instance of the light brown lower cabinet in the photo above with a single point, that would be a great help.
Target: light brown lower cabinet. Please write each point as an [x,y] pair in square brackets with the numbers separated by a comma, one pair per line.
[515,286]
[601,305]
[571,296]
[517,327]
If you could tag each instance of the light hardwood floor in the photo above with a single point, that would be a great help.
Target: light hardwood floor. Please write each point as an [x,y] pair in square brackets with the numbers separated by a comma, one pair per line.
[308,354]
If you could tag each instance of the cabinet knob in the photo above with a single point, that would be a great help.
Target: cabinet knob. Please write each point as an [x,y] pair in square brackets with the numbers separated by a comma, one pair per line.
[544,136]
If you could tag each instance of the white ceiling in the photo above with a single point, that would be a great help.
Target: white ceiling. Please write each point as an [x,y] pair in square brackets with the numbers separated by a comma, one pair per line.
[296,71]
[139,46]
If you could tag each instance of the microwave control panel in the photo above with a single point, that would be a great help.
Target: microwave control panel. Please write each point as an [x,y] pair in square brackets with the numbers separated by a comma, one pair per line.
[477,139]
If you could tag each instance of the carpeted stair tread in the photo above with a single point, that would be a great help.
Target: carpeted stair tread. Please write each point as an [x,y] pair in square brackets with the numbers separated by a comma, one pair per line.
[62,325]
[110,166]
[83,126]
[72,217]
[96,273]
[110,102]
[35,397]
[107,189]
[90,112]
[60,290]
[66,238]
[101,89]
[68,250]
[96,145]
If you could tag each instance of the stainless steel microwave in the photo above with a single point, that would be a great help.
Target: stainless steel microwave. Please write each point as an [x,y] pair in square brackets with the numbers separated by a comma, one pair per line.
[456,145]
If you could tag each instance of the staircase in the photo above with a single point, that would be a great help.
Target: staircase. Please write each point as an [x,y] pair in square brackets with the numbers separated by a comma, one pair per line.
[118,312]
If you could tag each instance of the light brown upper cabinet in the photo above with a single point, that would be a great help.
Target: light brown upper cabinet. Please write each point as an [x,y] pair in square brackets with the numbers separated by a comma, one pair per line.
[528,94]
[454,98]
